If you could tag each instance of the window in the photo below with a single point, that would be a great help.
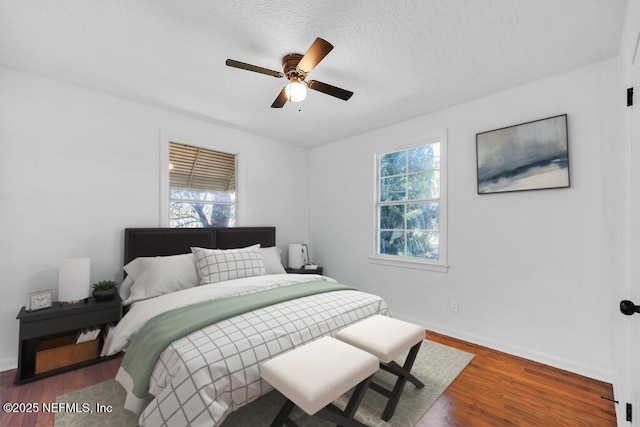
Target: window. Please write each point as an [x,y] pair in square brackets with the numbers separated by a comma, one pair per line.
[202,187]
[411,205]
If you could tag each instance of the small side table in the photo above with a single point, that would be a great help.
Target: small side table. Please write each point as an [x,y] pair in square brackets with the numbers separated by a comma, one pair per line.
[60,320]
[304,270]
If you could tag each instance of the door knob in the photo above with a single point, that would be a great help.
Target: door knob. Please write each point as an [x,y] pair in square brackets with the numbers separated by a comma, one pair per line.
[627,307]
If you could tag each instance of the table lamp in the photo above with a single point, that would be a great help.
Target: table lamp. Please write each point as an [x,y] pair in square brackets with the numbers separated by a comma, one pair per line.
[73,279]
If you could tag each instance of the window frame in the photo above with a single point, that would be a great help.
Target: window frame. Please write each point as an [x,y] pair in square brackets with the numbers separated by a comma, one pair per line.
[165,140]
[440,265]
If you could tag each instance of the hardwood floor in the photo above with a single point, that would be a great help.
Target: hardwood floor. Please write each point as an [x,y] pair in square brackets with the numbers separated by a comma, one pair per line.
[46,390]
[496,389]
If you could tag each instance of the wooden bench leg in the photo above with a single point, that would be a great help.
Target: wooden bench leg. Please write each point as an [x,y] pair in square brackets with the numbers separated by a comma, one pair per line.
[330,412]
[404,374]
[405,370]
[283,416]
[356,398]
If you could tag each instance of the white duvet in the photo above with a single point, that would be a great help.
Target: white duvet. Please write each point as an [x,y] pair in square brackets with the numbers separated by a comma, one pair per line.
[141,311]
[202,377]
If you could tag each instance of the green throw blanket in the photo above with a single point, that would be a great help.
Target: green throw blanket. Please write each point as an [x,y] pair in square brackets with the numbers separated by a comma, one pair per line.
[156,335]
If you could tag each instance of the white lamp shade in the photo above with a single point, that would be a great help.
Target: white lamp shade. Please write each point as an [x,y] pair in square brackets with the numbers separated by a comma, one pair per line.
[296,91]
[73,279]
[295,255]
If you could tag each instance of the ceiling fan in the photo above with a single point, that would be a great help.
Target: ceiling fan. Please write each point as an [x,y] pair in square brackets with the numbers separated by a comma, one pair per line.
[295,67]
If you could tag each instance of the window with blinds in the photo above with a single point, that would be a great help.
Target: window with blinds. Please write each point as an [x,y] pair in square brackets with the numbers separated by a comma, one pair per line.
[202,187]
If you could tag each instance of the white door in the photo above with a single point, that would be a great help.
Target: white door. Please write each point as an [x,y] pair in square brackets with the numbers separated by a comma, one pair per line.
[634,111]
[624,165]
[629,372]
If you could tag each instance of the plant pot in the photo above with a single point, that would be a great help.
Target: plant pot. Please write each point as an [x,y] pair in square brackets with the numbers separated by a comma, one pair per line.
[104,294]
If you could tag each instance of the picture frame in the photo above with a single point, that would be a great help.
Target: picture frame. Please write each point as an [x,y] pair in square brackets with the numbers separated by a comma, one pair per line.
[305,254]
[528,156]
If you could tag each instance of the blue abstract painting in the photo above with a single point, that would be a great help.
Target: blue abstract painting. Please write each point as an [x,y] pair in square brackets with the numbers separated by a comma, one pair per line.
[529,156]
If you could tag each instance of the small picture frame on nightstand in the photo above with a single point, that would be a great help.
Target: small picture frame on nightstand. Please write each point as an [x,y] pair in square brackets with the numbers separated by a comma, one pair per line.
[39,300]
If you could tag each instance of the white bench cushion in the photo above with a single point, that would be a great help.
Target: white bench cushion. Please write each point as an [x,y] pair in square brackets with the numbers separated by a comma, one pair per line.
[382,336]
[316,374]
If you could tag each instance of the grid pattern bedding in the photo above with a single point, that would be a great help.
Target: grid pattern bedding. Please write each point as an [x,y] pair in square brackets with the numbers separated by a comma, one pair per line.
[220,265]
[206,375]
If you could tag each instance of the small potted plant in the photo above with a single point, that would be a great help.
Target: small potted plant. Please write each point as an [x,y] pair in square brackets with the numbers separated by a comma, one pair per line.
[104,290]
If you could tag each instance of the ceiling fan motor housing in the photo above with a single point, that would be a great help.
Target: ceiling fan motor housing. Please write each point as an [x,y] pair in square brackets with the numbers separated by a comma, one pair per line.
[290,67]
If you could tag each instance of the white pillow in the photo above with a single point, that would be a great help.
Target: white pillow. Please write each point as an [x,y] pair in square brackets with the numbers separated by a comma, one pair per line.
[154,276]
[217,265]
[125,287]
[272,260]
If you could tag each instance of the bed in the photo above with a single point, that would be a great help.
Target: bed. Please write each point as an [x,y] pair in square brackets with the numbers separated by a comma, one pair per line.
[200,321]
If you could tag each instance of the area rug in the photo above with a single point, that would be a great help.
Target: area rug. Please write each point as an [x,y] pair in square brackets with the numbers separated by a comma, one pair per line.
[436,366]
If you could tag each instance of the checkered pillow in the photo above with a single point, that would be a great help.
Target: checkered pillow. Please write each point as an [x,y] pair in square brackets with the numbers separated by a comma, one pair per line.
[216,265]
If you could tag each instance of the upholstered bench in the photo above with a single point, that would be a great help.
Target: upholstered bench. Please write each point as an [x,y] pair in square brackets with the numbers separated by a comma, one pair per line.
[387,338]
[316,374]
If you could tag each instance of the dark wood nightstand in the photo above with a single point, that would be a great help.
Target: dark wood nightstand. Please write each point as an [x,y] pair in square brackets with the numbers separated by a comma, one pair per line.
[304,270]
[49,333]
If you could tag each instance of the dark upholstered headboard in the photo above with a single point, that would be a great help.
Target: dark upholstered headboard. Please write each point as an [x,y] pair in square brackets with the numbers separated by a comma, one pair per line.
[147,242]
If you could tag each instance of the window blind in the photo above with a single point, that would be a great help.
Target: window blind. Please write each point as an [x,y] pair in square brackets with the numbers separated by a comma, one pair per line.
[200,168]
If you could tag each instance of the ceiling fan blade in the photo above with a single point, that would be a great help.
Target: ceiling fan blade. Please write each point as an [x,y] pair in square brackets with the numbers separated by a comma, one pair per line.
[318,50]
[281,99]
[329,90]
[244,66]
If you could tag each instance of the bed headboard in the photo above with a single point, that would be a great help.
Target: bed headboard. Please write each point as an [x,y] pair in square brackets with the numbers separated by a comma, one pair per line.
[175,241]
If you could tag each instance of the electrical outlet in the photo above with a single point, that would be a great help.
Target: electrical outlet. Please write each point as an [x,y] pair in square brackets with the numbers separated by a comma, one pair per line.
[454,306]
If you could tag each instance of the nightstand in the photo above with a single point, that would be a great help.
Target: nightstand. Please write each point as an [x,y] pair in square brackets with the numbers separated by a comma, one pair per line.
[46,342]
[304,270]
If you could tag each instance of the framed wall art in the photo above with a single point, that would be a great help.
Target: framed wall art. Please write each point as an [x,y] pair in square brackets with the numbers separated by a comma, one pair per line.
[528,156]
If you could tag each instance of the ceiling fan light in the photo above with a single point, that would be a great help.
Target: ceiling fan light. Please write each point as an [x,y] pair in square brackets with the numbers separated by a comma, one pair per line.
[296,91]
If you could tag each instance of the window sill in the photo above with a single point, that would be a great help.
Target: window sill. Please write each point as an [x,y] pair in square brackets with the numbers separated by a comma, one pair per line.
[408,263]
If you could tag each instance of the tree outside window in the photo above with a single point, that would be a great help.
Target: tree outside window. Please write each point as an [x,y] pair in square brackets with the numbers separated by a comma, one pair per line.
[408,202]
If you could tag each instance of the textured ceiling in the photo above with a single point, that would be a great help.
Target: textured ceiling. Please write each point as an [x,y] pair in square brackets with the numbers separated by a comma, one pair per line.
[401,58]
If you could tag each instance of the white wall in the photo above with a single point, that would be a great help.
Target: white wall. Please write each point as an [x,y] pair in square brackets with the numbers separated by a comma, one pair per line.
[527,268]
[77,167]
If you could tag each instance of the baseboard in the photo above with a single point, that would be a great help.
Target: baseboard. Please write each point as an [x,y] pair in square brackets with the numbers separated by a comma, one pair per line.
[546,359]
[8,364]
